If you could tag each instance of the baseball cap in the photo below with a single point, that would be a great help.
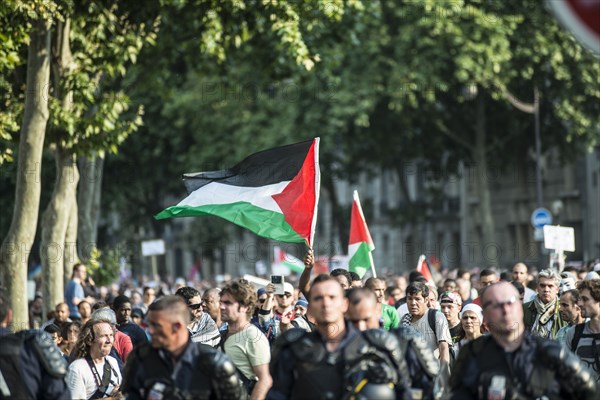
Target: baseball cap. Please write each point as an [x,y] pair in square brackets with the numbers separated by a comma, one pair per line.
[137,312]
[261,291]
[288,288]
[450,297]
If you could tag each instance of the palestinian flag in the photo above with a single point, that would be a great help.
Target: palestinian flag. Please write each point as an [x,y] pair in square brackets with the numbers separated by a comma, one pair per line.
[284,261]
[360,244]
[423,268]
[273,193]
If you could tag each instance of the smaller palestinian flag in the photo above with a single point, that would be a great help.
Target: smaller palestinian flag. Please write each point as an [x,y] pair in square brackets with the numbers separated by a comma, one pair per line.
[284,260]
[360,244]
[423,268]
[273,193]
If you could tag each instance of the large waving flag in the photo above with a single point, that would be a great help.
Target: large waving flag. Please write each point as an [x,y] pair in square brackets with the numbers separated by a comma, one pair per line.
[273,193]
[284,262]
[360,244]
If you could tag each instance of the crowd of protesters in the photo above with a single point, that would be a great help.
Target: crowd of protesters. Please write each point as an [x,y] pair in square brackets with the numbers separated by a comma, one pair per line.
[486,334]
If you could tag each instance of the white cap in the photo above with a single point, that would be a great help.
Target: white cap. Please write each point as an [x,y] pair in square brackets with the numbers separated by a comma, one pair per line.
[288,288]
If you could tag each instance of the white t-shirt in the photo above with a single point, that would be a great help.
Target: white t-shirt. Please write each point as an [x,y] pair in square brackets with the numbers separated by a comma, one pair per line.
[80,378]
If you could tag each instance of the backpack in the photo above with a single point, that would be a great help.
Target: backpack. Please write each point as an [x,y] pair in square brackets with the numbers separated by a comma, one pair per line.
[431,320]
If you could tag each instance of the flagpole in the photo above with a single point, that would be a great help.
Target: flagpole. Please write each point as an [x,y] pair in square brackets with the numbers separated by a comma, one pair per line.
[317,192]
[421,258]
[372,265]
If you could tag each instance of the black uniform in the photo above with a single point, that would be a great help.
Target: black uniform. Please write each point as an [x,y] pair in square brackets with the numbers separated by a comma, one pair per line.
[365,365]
[201,372]
[423,367]
[31,367]
[539,368]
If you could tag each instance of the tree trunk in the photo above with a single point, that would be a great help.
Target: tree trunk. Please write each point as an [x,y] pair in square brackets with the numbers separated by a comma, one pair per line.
[70,252]
[482,179]
[88,200]
[56,218]
[54,227]
[17,244]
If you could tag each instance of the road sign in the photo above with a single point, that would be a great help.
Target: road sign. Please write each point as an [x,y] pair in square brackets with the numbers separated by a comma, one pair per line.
[561,238]
[540,217]
[582,18]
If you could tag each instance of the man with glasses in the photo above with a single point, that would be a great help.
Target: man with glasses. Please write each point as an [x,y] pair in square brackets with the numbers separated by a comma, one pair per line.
[202,327]
[511,363]
[487,277]
[271,312]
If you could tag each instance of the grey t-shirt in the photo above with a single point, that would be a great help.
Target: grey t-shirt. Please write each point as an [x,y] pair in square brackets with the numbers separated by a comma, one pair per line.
[586,350]
[442,333]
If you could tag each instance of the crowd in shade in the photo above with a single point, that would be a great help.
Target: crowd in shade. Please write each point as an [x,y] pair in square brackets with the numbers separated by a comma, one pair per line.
[472,334]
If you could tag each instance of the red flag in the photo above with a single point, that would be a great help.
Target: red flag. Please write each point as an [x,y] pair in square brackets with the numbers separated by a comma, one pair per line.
[423,268]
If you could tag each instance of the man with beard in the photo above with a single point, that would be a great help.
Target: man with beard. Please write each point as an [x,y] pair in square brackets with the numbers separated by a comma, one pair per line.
[511,363]
[243,342]
[202,328]
[94,373]
[541,315]
[570,312]
[174,367]
[584,339]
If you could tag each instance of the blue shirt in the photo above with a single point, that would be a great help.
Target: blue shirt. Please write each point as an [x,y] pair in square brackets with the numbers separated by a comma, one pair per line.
[72,290]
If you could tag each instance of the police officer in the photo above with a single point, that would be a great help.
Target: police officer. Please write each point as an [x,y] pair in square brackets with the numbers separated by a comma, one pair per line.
[419,368]
[511,363]
[31,366]
[336,361]
[174,367]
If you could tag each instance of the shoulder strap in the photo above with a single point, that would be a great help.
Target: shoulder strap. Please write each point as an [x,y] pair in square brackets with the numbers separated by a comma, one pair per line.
[431,319]
[577,335]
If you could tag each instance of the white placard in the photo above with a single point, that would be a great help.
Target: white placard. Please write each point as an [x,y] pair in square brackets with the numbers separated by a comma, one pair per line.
[153,247]
[560,238]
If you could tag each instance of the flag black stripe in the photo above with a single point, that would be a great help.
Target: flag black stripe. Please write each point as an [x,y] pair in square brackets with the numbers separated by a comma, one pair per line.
[259,169]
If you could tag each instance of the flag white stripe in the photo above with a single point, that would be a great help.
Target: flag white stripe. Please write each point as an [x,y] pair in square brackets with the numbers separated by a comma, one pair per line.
[218,193]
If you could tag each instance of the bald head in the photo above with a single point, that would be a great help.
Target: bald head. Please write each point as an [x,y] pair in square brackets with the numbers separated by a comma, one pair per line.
[502,311]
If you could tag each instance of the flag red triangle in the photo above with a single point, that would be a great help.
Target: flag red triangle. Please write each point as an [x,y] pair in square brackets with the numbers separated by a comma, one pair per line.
[423,268]
[359,232]
[298,201]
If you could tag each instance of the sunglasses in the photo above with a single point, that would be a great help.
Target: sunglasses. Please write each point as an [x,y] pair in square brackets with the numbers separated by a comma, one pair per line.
[195,306]
[284,295]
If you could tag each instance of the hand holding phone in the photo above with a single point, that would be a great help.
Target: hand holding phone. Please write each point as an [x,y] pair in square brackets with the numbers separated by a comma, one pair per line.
[278,281]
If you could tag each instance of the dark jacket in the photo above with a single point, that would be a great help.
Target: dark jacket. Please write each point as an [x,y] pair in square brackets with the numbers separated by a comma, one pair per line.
[201,372]
[538,368]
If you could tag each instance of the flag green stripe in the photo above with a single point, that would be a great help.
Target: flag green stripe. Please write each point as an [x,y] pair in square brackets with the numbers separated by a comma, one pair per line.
[360,261]
[294,267]
[265,223]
